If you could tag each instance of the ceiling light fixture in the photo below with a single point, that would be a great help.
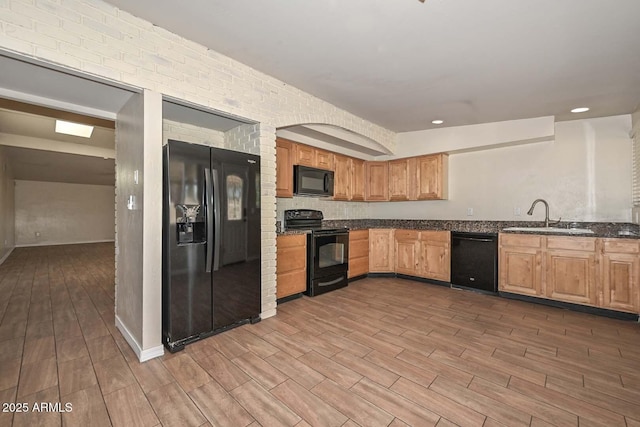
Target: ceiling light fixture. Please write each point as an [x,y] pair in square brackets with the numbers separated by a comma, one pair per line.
[437,122]
[580,110]
[75,129]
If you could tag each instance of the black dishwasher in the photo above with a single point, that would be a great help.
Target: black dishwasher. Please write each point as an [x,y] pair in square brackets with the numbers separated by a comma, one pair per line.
[474,261]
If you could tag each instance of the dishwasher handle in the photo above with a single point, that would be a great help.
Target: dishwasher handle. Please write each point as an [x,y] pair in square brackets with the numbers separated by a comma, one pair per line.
[473,239]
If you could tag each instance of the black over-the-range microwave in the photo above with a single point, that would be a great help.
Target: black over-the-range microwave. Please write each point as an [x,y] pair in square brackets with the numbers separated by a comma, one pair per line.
[312,182]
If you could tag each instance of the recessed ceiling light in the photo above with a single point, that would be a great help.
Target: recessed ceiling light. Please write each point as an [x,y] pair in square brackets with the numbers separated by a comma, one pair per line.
[75,129]
[437,122]
[580,110]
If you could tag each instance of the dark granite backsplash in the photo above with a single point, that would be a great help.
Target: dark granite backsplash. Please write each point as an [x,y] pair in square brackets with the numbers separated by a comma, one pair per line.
[600,229]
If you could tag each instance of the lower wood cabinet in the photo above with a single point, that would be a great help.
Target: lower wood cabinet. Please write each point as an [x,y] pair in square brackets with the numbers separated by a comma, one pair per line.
[358,253]
[620,271]
[591,271]
[381,250]
[291,264]
[423,254]
[520,261]
[407,245]
[435,255]
[571,269]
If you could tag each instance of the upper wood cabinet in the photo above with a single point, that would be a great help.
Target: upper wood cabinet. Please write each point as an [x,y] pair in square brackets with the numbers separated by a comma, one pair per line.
[305,155]
[432,177]
[313,157]
[402,179]
[418,178]
[284,167]
[381,250]
[357,179]
[376,185]
[324,159]
[412,178]
[342,177]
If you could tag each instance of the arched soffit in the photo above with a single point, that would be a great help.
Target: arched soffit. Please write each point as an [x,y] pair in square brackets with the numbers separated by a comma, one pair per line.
[326,135]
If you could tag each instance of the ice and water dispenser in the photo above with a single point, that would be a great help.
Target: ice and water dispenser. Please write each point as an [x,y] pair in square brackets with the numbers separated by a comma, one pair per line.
[190,224]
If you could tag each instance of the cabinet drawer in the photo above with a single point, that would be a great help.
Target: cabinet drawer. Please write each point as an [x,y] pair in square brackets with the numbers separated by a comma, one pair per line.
[621,246]
[291,240]
[572,243]
[291,283]
[358,248]
[290,259]
[435,236]
[358,266]
[358,235]
[407,234]
[521,240]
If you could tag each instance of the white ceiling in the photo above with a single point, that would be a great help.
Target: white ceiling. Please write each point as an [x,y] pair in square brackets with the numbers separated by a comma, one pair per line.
[403,63]
[37,153]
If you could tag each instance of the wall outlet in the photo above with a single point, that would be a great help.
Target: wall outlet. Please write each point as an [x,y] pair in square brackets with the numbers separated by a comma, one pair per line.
[469,211]
[37,234]
[517,211]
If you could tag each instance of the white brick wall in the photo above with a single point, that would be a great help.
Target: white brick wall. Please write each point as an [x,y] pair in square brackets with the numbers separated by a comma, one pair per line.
[118,46]
[330,209]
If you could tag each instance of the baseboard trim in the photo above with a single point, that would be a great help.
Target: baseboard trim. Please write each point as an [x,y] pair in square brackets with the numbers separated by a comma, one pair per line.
[64,243]
[4,258]
[143,355]
[613,314]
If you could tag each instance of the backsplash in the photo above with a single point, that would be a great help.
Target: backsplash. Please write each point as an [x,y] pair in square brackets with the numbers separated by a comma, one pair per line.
[331,209]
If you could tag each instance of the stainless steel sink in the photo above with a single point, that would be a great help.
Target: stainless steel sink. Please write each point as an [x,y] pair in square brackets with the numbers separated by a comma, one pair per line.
[551,230]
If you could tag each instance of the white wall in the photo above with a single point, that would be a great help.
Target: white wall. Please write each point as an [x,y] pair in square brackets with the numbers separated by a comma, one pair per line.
[7,224]
[63,213]
[585,175]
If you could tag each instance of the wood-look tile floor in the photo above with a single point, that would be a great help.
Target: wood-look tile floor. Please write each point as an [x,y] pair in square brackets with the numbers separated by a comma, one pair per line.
[382,352]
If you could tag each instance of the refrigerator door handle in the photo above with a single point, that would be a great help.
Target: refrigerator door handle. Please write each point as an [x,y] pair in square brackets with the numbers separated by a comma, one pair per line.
[209,205]
[217,211]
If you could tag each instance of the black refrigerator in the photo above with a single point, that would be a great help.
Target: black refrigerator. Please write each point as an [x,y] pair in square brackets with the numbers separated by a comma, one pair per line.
[211,242]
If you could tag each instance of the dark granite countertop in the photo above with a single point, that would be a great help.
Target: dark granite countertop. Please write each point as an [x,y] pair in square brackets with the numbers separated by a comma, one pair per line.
[600,229]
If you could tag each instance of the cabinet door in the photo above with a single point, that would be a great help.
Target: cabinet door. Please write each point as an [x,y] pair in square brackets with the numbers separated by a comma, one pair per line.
[435,255]
[570,276]
[520,263]
[357,179]
[291,265]
[376,181]
[406,252]
[305,155]
[620,274]
[381,250]
[324,160]
[432,177]
[520,270]
[342,175]
[398,180]
[284,168]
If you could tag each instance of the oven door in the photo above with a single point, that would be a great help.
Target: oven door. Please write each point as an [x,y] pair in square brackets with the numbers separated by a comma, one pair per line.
[330,254]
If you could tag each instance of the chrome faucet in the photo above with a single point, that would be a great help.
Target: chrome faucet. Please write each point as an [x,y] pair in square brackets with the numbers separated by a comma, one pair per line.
[546,211]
